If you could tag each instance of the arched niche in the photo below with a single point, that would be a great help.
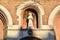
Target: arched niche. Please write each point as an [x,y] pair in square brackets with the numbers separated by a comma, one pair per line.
[34,15]
[6,20]
[27,4]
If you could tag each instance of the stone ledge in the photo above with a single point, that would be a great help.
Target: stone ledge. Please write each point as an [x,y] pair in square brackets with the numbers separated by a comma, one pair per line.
[16,27]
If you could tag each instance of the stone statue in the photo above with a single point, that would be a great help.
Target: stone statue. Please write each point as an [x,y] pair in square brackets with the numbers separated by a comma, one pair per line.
[30,18]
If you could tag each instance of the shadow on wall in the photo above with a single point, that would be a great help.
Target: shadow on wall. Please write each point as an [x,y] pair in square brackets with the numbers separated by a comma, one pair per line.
[51,36]
[27,34]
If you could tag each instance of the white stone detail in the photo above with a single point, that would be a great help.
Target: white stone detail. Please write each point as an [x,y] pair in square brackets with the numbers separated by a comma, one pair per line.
[12,34]
[9,18]
[52,15]
[13,27]
[45,27]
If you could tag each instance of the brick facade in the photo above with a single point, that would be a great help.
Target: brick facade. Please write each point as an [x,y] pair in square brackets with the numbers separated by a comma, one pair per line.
[48,7]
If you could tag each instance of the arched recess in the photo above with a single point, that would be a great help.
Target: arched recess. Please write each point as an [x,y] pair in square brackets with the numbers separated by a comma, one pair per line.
[6,19]
[51,21]
[52,15]
[6,12]
[25,4]
[34,15]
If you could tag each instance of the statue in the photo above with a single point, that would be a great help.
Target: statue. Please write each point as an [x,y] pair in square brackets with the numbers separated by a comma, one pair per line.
[30,20]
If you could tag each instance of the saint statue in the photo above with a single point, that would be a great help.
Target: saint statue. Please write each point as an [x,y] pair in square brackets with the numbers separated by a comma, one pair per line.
[30,20]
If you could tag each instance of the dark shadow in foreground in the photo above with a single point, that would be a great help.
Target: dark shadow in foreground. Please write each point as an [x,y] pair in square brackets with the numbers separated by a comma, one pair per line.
[30,38]
[30,33]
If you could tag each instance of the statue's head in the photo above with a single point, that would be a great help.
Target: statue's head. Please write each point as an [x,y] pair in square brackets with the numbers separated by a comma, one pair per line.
[30,13]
